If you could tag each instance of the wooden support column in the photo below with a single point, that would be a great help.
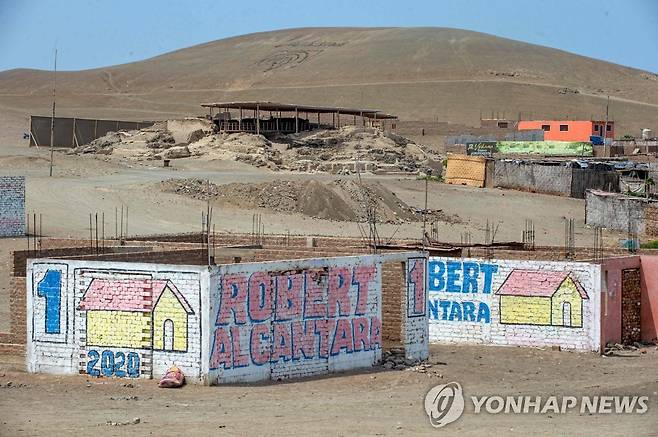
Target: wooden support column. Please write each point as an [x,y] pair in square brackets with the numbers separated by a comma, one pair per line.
[240,119]
[257,120]
[318,120]
[363,120]
[296,121]
[333,120]
[74,141]
[338,118]
[354,119]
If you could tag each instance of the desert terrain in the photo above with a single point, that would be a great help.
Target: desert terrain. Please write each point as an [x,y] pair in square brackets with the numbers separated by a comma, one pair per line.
[375,402]
[424,75]
[420,74]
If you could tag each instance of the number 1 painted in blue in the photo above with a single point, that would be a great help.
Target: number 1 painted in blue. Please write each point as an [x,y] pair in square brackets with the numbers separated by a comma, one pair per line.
[50,287]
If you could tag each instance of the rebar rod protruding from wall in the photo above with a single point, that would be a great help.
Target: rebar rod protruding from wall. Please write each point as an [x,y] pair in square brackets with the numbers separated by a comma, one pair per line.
[569,238]
[598,243]
[529,235]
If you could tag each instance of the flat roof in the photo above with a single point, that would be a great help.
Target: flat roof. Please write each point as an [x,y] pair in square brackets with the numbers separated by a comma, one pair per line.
[273,106]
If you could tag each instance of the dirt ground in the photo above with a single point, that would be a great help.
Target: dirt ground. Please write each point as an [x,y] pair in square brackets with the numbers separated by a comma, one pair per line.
[88,184]
[374,402]
[377,402]
[85,184]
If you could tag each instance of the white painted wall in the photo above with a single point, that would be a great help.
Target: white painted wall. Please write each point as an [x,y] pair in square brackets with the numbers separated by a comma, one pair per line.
[63,348]
[281,320]
[448,324]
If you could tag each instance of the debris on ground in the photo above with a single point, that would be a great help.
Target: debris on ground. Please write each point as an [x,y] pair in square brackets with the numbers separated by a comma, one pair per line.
[174,378]
[627,350]
[134,421]
[339,200]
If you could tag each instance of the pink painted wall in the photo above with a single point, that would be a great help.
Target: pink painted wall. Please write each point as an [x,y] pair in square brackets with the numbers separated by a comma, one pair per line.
[611,296]
[649,300]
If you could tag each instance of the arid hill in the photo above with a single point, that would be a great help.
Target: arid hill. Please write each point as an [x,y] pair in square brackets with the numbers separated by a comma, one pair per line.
[418,73]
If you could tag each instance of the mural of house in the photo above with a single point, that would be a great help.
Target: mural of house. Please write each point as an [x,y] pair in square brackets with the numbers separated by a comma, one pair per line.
[530,297]
[136,313]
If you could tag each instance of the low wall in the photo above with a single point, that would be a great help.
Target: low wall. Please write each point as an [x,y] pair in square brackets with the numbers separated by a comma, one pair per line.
[12,206]
[615,211]
[108,319]
[281,320]
[551,179]
[584,179]
[74,132]
[515,303]
[226,323]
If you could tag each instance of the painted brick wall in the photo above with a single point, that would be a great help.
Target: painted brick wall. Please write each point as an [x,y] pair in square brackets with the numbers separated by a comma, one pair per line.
[280,320]
[515,303]
[61,295]
[12,206]
[227,323]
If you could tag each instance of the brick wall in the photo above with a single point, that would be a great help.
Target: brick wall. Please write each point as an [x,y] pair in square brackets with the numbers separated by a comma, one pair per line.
[289,319]
[515,302]
[630,306]
[312,316]
[651,220]
[12,206]
[103,314]
[393,287]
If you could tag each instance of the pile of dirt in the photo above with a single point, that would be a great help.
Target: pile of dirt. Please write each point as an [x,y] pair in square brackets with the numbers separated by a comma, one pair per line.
[347,150]
[340,200]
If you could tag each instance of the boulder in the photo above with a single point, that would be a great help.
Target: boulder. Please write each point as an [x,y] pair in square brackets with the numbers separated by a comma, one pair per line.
[176,152]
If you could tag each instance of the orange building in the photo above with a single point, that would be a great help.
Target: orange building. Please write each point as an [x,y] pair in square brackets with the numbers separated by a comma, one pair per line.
[569,130]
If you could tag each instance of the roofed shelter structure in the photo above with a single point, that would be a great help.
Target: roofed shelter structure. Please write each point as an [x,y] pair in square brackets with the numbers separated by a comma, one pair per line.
[261,117]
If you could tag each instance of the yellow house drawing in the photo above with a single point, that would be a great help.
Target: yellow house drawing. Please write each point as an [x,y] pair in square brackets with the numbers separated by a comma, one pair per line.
[529,297]
[136,313]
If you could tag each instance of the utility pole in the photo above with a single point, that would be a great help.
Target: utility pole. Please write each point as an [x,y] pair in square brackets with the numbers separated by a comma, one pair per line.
[52,119]
[605,127]
[428,175]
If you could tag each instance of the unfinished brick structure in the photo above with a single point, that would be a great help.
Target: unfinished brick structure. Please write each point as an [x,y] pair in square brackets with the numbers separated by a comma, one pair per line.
[221,323]
[12,206]
[631,293]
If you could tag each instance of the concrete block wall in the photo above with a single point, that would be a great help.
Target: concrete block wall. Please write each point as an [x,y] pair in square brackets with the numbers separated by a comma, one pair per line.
[515,303]
[226,323]
[111,304]
[287,319]
[530,177]
[12,206]
[615,211]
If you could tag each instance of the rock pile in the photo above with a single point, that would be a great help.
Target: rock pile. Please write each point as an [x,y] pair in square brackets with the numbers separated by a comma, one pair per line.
[346,150]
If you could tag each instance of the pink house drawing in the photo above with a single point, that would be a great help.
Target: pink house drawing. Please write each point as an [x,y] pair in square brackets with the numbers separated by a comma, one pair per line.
[531,297]
[136,313]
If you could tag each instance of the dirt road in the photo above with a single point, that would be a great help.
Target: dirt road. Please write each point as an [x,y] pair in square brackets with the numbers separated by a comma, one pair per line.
[377,402]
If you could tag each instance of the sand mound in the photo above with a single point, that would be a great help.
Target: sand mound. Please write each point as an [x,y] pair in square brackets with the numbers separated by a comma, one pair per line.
[340,200]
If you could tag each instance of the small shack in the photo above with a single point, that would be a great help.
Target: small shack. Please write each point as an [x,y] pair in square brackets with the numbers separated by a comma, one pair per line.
[474,171]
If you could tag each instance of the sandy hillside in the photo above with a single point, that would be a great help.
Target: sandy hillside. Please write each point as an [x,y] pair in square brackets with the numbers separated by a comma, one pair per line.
[418,73]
